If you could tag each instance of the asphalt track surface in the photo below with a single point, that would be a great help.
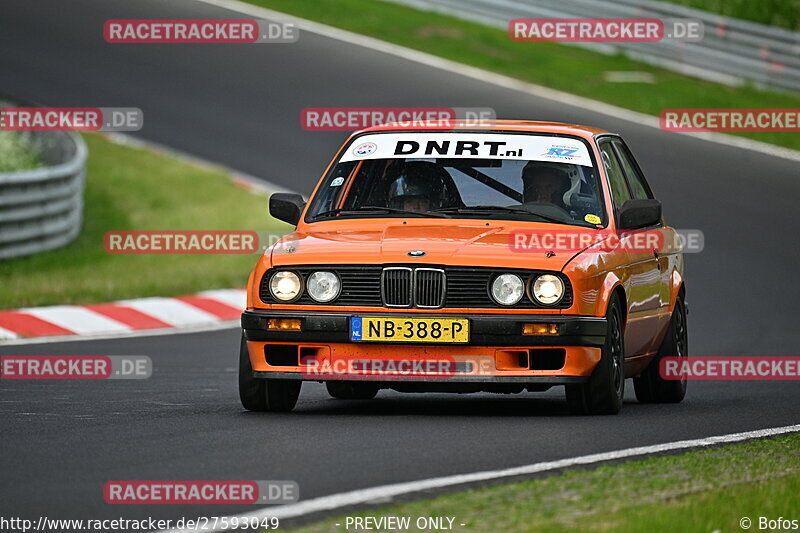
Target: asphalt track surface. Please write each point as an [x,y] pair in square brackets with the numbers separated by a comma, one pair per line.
[240,105]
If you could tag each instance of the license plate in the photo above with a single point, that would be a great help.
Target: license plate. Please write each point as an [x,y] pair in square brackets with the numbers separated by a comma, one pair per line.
[391,329]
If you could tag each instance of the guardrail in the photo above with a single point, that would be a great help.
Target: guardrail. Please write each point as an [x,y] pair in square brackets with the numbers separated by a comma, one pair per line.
[42,209]
[733,51]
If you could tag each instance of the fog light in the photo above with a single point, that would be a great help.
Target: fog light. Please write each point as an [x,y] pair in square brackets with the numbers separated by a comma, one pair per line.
[284,324]
[540,329]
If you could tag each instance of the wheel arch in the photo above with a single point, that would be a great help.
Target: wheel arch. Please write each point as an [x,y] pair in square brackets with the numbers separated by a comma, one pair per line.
[677,289]
[613,285]
[619,290]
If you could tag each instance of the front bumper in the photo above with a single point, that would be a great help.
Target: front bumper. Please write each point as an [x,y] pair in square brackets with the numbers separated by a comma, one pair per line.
[485,330]
[497,351]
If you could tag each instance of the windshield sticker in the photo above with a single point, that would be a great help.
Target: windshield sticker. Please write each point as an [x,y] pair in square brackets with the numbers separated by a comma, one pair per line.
[561,152]
[469,145]
[362,150]
[592,219]
[337,181]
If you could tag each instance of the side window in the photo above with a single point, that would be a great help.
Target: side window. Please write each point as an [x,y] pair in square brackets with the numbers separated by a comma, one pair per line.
[616,180]
[641,191]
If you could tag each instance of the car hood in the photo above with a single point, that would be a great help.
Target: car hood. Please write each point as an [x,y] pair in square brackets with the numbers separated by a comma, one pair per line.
[446,242]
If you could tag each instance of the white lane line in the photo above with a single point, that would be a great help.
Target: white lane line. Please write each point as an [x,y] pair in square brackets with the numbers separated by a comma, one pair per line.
[171,311]
[496,79]
[385,493]
[78,319]
[234,297]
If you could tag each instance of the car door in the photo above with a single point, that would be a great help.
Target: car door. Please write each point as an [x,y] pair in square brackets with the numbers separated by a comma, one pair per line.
[665,257]
[640,267]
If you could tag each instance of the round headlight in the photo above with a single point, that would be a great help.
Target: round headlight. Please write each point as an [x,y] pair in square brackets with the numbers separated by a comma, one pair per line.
[548,289]
[323,286]
[285,286]
[507,289]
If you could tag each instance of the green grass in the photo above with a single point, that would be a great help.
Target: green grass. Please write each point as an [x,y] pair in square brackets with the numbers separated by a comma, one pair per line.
[17,152]
[562,67]
[699,491]
[135,189]
[781,13]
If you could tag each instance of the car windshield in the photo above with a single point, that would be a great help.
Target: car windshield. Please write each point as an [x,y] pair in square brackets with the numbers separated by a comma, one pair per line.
[463,175]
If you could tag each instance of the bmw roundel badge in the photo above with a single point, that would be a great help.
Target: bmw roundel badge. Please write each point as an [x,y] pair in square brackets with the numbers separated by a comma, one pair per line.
[416,253]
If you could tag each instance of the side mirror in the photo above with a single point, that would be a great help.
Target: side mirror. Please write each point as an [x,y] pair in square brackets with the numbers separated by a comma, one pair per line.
[286,206]
[635,214]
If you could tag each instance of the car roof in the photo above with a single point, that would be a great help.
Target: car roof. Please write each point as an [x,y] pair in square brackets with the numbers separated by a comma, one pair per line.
[531,126]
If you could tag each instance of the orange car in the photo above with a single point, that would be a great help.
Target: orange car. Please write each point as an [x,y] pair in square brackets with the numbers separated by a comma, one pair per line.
[505,258]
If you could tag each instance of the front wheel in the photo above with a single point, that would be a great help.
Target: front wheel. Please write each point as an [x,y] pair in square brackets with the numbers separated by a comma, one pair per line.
[264,394]
[650,387]
[602,394]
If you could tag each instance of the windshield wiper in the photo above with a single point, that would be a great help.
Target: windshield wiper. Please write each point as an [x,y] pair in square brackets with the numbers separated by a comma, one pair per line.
[379,209]
[499,208]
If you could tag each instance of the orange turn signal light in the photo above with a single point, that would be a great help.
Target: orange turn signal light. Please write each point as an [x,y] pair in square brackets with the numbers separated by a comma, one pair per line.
[284,324]
[540,329]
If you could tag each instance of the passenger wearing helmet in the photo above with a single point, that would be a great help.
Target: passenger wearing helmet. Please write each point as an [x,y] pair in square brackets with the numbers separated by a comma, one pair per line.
[543,183]
[419,187]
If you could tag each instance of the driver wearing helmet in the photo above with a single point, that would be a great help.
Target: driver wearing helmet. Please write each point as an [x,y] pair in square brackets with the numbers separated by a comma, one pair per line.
[543,183]
[419,187]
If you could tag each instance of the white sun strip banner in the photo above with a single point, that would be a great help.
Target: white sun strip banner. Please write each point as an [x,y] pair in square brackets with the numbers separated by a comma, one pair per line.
[416,145]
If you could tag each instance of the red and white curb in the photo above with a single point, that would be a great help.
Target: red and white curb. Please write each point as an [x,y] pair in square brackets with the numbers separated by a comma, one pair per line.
[207,308]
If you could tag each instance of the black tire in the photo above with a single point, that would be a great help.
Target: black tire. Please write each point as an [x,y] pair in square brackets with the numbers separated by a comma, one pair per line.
[650,387]
[602,394]
[264,394]
[347,390]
